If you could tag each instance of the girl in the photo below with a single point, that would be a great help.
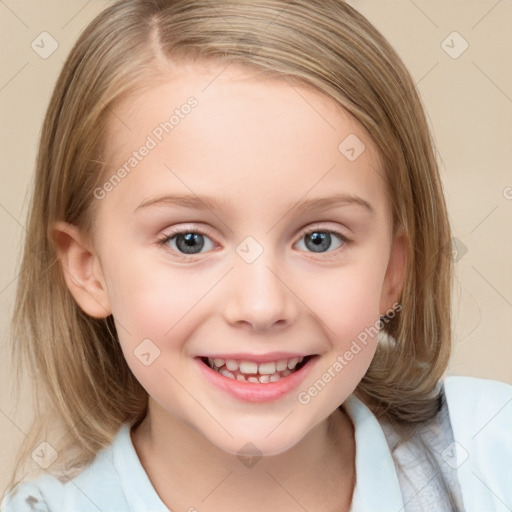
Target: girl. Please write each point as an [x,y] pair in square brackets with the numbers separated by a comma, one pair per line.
[240,297]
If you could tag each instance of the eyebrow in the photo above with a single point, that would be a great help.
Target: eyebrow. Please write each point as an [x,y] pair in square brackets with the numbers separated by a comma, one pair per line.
[212,203]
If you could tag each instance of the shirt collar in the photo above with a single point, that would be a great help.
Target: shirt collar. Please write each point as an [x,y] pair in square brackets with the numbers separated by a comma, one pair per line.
[137,487]
[377,487]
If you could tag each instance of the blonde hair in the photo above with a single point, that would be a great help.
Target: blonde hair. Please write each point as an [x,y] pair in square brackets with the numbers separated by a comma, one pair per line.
[80,377]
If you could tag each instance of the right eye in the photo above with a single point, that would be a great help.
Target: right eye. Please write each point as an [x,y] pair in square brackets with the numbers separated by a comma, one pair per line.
[186,241]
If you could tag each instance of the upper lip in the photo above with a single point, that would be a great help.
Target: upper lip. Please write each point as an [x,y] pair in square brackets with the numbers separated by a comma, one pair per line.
[257,358]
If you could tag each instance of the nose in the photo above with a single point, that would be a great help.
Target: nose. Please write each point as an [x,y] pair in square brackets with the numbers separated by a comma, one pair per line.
[259,295]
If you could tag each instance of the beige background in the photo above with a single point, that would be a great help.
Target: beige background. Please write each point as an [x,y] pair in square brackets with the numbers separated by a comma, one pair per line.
[469,103]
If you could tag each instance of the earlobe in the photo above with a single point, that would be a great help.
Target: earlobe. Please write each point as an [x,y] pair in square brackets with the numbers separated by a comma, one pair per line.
[81,269]
[395,273]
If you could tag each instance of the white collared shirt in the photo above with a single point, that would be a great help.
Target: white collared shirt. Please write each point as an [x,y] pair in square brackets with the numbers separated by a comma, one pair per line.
[471,440]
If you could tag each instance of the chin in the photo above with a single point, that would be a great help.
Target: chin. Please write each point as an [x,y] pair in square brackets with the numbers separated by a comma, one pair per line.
[262,442]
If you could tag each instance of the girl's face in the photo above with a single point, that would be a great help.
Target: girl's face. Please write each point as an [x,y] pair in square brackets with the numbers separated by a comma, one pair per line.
[292,255]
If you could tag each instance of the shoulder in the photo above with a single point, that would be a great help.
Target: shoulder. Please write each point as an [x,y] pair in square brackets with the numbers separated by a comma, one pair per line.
[478,405]
[27,497]
[95,488]
[471,389]
[480,412]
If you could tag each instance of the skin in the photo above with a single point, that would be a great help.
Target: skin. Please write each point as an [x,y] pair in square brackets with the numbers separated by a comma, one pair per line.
[261,145]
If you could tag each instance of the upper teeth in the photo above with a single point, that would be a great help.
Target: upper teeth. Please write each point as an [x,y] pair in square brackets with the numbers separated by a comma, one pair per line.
[251,367]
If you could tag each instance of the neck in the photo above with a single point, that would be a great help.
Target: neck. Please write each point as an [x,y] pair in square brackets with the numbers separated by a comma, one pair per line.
[186,469]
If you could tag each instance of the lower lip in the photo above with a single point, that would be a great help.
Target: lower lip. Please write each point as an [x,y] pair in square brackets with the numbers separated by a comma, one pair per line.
[252,392]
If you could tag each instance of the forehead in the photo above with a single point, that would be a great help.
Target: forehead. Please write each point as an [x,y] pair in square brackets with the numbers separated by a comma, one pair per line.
[229,131]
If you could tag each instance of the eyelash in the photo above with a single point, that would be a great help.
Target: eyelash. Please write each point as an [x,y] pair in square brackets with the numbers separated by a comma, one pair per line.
[169,236]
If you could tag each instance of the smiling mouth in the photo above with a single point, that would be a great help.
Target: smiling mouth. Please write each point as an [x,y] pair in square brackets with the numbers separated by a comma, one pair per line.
[250,371]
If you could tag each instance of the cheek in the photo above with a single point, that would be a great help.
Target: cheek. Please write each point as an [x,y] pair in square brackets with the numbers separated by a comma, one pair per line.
[151,302]
[157,308]
[348,301]
[349,311]
[146,297]
[153,309]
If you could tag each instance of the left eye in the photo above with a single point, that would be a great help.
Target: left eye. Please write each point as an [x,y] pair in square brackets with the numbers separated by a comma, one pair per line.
[320,240]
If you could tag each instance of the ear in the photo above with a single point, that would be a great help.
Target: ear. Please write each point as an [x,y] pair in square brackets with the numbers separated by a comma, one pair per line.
[81,269]
[395,273]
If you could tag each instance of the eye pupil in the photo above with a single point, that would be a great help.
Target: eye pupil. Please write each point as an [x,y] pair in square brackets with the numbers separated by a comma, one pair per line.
[316,238]
[321,241]
[190,240]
